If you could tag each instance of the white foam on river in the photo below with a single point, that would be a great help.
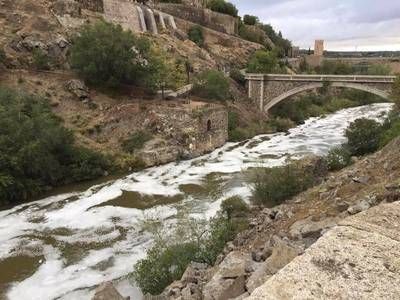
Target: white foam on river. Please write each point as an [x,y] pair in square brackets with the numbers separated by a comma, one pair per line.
[118,230]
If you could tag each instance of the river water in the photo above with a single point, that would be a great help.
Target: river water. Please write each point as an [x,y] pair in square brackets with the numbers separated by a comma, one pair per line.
[62,246]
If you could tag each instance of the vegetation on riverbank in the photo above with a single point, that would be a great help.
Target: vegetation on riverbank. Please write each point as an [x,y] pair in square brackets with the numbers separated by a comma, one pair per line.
[36,151]
[192,241]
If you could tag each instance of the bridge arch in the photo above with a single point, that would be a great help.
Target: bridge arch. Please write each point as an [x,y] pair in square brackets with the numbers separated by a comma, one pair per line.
[315,85]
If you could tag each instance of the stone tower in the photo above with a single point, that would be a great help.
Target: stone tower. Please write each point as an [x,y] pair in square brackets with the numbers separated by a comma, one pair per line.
[319,48]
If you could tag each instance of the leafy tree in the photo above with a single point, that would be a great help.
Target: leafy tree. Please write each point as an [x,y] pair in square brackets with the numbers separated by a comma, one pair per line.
[105,54]
[36,151]
[396,92]
[195,34]
[223,7]
[338,158]
[212,85]
[363,136]
[250,20]
[263,62]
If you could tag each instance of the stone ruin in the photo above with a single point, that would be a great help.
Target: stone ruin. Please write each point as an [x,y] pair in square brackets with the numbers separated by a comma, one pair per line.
[128,13]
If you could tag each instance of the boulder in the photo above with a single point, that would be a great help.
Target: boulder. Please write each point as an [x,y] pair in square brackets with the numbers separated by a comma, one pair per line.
[359,259]
[229,279]
[78,88]
[282,253]
[107,291]
[360,207]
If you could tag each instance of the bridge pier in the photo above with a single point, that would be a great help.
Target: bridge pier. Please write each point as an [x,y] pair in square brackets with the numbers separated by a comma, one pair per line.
[267,90]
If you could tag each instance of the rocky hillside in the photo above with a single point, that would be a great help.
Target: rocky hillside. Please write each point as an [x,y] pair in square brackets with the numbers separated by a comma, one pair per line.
[333,267]
[41,32]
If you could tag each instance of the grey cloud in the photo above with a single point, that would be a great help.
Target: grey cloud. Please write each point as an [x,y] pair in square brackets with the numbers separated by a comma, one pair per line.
[344,24]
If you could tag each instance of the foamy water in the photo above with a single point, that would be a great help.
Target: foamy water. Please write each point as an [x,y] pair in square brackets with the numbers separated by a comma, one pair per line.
[80,242]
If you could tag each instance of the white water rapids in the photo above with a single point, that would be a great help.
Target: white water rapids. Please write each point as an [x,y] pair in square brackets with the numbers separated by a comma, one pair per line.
[81,239]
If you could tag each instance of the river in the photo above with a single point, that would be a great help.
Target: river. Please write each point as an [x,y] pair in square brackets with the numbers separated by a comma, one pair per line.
[62,246]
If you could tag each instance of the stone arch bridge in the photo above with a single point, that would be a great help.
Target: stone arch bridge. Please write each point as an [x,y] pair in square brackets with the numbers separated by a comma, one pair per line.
[267,90]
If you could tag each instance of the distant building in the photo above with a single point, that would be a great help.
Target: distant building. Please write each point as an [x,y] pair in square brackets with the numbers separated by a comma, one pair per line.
[294,52]
[319,48]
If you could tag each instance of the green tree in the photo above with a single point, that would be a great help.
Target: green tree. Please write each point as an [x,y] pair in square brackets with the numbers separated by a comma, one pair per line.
[105,54]
[250,20]
[195,34]
[263,62]
[36,151]
[223,7]
[363,136]
[212,85]
[395,95]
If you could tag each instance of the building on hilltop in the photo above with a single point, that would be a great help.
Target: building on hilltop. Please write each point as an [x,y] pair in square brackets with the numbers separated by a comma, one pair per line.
[319,48]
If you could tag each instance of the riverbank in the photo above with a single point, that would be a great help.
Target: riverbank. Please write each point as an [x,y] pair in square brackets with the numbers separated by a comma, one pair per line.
[279,235]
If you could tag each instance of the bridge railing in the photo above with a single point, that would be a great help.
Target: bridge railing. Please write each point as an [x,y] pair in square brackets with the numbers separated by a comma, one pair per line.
[320,78]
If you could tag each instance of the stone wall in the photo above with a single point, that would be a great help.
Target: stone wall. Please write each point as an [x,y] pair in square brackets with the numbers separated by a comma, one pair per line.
[124,13]
[220,22]
[94,5]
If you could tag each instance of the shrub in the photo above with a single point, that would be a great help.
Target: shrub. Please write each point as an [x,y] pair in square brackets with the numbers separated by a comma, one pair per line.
[395,95]
[195,34]
[250,20]
[263,62]
[36,151]
[271,186]
[238,135]
[363,136]
[338,158]
[234,207]
[281,124]
[391,129]
[136,141]
[238,76]
[41,60]
[3,56]
[105,54]
[167,260]
[223,7]
[212,85]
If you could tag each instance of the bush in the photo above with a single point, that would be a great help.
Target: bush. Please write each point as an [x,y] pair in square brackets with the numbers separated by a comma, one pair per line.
[41,60]
[195,34]
[105,54]
[167,260]
[250,20]
[271,186]
[391,129]
[3,56]
[238,76]
[212,85]
[263,62]
[363,136]
[338,158]
[281,124]
[223,7]
[36,151]
[395,95]
[234,207]
[136,141]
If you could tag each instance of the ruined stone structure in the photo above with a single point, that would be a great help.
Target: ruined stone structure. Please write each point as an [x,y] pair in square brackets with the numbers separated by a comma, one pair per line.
[205,17]
[319,48]
[268,90]
[93,5]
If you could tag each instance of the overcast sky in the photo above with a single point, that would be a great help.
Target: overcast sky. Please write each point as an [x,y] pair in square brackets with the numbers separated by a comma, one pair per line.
[343,24]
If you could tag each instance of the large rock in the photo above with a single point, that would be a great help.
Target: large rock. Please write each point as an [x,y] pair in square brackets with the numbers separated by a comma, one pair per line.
[282,254]
[67,7]
[229,280]
[78,88]
[359,259]
[107,291]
